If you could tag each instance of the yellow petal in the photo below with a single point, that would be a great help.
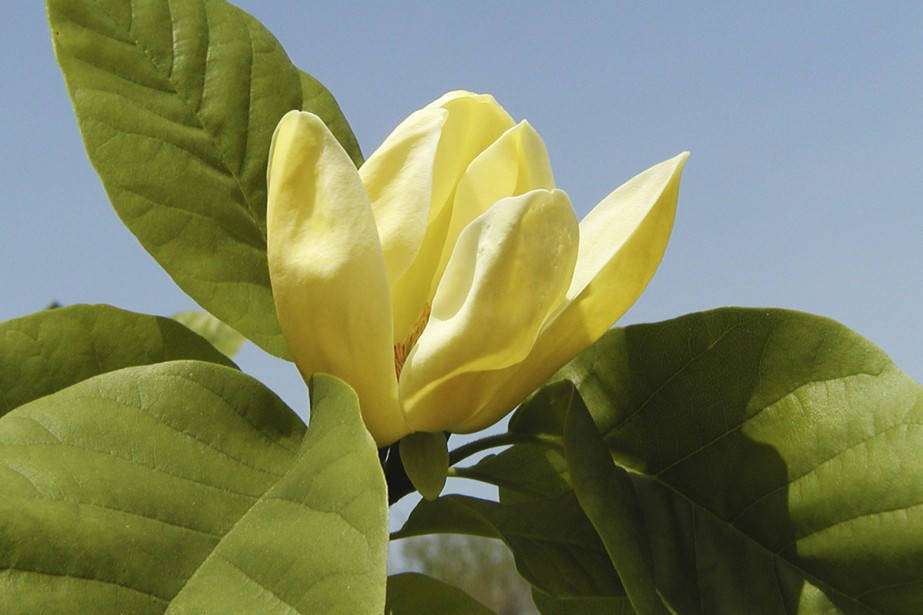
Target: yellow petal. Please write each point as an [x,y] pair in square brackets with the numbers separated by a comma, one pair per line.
[621,244]
[398,179]
[474,122]
[328,276]
[514,164]
[450,96]
[509,272]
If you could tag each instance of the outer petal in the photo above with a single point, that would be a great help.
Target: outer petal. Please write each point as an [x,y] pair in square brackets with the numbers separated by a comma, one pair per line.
[509,272]
[621,244]
[327,272]
[473,123]
[398,179]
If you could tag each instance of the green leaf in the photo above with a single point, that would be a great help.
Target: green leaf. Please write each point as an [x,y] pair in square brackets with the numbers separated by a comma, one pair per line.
[319,101]
[222,337]
[50,350]
[611,605]
[557,550]
[412,593]
[777,458]
[425,457]
[189,487]
[606,494]
[177,103]
[545,411]
[523,473]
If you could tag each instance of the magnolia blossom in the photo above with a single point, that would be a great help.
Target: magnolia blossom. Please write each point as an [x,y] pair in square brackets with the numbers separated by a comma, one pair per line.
[447,278]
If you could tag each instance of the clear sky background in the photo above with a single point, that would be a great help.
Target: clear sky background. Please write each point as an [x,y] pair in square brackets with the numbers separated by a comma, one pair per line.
[805,123]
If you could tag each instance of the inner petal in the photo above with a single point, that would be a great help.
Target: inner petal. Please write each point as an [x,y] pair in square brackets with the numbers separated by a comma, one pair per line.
[472,124]
[509,272]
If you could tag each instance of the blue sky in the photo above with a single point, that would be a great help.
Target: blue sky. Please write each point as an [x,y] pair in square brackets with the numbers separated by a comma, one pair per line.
[805,123]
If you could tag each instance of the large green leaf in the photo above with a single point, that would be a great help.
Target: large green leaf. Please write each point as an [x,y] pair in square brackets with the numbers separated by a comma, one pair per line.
[777,459]
[187,487]
[417,594]
[177,102]
[557,550]
[50,350]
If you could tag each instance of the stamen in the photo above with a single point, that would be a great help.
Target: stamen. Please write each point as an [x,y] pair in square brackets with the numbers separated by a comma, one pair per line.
[402,349]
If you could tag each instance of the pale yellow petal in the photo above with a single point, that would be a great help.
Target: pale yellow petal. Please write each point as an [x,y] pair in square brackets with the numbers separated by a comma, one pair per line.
[625,236]
[621,244]
[326,268]
[398,179]
[450,96]
[474,122]
[509,272]
[514,164]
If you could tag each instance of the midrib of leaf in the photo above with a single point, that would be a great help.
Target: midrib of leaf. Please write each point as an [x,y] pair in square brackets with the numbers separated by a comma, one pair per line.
[643,405]
[167,77]
[737,427]
[262,588]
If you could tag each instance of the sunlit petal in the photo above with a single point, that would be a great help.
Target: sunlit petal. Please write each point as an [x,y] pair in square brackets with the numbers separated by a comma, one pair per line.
[621,244]
[322,241]
[509,272]
[474,122]
[448,278]
[398,179]
[514,164]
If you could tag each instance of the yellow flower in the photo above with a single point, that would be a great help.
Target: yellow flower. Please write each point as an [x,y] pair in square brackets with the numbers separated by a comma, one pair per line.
[447,278]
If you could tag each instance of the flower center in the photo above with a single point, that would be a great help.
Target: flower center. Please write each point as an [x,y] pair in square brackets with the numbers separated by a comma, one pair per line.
[402,349]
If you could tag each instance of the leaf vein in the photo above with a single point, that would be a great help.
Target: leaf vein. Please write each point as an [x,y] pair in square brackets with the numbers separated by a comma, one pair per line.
[820,464]
[888,512]
[165,601]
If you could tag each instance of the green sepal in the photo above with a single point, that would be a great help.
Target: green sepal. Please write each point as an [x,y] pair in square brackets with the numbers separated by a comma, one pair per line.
[425,457]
